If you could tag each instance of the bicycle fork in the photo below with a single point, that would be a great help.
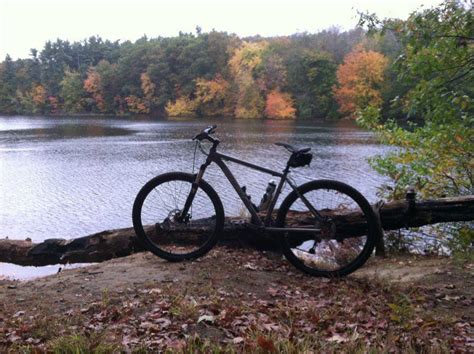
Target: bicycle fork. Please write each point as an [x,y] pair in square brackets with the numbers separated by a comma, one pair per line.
[192,193]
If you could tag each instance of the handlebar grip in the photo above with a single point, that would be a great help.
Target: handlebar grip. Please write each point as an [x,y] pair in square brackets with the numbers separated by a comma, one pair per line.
[210,129]
[204,134]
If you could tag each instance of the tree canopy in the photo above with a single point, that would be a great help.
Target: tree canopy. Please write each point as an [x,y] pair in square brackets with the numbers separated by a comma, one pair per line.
[202,74]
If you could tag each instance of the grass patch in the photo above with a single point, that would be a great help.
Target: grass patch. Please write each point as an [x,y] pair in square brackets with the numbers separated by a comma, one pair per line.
[80,344]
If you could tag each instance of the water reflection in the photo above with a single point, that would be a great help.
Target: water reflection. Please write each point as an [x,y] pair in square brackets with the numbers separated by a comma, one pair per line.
[63,132]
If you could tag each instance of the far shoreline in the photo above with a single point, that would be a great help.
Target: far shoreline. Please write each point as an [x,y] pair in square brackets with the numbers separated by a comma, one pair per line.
[169,118]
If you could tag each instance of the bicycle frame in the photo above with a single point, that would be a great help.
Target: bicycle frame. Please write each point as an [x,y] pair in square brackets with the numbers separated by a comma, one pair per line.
[218,158]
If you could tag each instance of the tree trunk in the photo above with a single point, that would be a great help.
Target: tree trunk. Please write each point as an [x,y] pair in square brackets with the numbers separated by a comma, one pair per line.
[122,242]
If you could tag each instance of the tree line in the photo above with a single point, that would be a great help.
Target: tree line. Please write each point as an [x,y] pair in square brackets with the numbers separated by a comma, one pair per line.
[319,76]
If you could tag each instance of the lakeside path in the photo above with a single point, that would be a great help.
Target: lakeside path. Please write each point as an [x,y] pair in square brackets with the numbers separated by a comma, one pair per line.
[241,300]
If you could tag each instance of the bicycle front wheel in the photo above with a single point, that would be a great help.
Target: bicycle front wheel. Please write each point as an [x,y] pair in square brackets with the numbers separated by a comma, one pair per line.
[344,234]
[160,225]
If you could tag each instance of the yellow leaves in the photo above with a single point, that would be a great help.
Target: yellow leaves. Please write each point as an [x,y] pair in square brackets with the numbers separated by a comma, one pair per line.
[358,78]
[279,106]
[211,90]
[182,107]
[247,56]
[147,86]
[251,111]
[213,96]
[250,103]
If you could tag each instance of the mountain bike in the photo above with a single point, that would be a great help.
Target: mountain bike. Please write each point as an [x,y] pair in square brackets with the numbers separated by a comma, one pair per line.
[324,227]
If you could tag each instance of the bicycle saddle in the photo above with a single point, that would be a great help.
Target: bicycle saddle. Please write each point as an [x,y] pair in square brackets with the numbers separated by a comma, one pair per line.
[293,149]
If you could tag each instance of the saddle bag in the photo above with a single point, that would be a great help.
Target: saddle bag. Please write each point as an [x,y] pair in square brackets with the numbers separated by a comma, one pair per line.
[300,160]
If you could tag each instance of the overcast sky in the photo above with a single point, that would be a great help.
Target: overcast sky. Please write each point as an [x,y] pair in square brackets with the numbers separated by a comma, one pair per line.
[26,24]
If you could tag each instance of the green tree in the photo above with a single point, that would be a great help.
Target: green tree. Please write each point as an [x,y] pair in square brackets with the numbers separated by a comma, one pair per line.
[110,85]
[8,86]
[72,92]
[437,146]
[314,95]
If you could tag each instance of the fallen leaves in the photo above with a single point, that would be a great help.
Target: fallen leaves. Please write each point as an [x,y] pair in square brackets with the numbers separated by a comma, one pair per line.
[236,299]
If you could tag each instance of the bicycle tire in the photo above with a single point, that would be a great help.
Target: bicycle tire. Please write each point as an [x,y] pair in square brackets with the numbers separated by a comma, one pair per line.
[315,266]
[145,236]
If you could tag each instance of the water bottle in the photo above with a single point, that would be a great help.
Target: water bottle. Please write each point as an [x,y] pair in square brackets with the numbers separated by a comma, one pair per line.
[267,196]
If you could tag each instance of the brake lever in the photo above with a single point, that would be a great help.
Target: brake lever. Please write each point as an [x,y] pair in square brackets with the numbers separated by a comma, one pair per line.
[205,134]
[200,136]
[210,129]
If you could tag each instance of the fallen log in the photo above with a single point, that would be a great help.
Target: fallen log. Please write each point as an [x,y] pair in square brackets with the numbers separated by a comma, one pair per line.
[122,242]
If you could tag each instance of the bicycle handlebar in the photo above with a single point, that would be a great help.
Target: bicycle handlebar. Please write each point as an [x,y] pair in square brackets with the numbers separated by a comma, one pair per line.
[210,129]
[204,134]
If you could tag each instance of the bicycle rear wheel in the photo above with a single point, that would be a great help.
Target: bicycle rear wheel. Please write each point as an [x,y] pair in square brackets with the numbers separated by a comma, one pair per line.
[344,237]
[156,220]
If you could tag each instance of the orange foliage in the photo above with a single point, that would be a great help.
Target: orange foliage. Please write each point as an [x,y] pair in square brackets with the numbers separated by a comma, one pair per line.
[358,80]
[93,85]
[279,106]
[39,95]
[136,105]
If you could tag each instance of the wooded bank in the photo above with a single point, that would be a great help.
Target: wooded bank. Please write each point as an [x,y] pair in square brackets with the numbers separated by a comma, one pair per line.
[122,242]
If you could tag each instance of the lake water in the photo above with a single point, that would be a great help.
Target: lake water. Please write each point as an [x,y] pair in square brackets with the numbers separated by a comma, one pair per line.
[70,177]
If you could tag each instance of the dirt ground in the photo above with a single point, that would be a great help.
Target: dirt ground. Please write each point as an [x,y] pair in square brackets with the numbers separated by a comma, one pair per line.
[237,300]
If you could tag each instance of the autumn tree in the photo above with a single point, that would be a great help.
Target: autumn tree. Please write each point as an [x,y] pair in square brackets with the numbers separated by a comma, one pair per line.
[213,97]
[279,106]
[137,105]
[182,107]
[190,67]
[93,86]
[147,86]
[359,78]
[249,100]
[39,97]
[148,91]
